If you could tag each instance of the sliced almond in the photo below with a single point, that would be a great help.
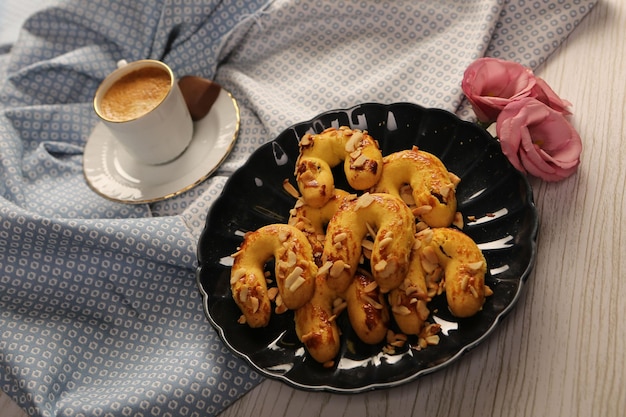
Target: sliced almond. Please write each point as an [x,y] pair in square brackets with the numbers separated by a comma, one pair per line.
[254,303]
[401,310]
[235,276]
[291,190]
[370,287]
[475,266]
[421,210]
[337,268]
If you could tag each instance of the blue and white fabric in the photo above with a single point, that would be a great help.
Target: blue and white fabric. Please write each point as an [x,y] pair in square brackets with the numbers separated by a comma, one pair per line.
[99,311]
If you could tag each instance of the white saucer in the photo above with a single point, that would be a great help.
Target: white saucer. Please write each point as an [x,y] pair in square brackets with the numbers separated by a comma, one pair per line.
[112,173]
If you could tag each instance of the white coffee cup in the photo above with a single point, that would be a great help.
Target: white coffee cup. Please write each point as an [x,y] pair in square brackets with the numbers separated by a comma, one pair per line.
[143,108]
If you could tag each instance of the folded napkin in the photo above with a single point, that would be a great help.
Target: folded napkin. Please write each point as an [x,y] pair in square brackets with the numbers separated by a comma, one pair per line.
[99,310]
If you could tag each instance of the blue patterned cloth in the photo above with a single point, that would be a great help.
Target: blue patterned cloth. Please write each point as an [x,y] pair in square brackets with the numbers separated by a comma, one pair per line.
[99,311]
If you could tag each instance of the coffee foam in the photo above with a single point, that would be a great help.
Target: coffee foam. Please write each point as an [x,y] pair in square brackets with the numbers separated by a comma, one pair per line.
[135,94]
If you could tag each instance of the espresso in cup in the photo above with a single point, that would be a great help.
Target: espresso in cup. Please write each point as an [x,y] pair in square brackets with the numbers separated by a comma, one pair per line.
[135,94]
[142,106]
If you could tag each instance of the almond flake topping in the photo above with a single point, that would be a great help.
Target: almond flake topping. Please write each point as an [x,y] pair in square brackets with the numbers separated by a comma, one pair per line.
[372,302]
[272,293]
[422,310]
[464,282]
[385,242]
[454,178]
[237,275]
[243,294]
[337,268]
[380,266]
[283,236]
[293,276]
[367,244]
[433,340]
[401,310]
[291,190]
[360,161]
[475,266]
[364,201]
[421,210]
[474,291]
[306,140]
[339,305]
[445,191]
[430,255]
[254,304]
[370,230]
[324,268]
[488,291]
[370,287]
[306,176]
[426,235]
[340,237]
[296,283]
[428,266]
[351,145]
[292,258]
[419,226]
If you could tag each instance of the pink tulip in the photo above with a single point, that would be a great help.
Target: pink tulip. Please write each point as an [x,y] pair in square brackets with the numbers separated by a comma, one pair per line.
[490,84]
[538,140]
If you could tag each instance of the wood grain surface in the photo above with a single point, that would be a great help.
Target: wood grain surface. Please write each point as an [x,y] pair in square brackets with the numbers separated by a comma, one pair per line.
[560,353]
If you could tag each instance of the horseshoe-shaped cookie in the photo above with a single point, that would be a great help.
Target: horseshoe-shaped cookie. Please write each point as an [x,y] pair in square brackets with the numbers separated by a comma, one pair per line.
[315,323]
[463,265]
[392,225]
[433,187]
[409,300]
[312,221]
[294,271]
[367,308]
[320,152]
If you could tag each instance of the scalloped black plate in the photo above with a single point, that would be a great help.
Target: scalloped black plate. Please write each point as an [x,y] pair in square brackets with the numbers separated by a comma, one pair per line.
[496,197]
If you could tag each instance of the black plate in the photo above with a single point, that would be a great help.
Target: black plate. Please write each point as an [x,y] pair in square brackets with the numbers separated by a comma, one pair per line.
[491,191]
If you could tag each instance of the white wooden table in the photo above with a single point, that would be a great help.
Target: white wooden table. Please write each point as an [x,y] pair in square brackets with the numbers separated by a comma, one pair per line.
[561,352]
